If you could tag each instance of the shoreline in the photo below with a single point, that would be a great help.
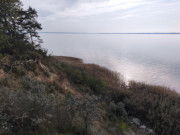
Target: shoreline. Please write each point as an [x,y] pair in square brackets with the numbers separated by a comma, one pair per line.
[80,62]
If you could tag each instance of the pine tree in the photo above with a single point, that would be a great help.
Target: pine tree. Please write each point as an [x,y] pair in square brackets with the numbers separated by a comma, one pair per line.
[9,14]
[17,25]
[30,25]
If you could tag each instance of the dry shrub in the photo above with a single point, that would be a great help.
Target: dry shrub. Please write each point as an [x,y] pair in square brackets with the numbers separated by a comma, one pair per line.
[113,79]
[157,106]
[24,112]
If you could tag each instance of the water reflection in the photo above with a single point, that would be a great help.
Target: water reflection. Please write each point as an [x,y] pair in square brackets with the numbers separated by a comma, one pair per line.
[148,58]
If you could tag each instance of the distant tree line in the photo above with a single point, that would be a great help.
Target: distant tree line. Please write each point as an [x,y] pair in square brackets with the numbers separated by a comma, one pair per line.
[18,27]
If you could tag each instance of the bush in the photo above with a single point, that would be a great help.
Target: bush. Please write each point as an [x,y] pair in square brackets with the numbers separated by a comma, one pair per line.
[120,122]
[25,113]
[30,66]
[32,85]
[5,44]
[31,110]
[97,85]
[79,77]
[157,106]
[20,49]
[86,108]
[5,81]
[117,115]
[18,71]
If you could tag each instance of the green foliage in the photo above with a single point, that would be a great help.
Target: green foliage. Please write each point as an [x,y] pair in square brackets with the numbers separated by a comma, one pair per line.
[51,87]
[5,42]
[45,71]
[118,121]
[69,95]
[18,30]
[96,84]
[79,77]
[85,108]
[18,71]
[123,126]
[111,115]
[16,22]
[30,66]
[117,115]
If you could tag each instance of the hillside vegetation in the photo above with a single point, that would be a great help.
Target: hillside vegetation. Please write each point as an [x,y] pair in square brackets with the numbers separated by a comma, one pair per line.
[53,95]
[61,95]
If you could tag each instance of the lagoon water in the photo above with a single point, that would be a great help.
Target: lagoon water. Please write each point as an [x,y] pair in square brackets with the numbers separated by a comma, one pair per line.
[150,58]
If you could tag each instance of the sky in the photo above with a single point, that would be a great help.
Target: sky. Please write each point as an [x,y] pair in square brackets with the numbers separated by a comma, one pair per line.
[107,15]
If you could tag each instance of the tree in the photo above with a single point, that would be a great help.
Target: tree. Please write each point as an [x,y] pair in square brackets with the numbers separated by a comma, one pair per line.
[17,26]
[29,24]
[9,14]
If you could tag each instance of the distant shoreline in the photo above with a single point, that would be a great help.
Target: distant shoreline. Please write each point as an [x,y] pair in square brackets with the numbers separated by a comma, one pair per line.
[100,33]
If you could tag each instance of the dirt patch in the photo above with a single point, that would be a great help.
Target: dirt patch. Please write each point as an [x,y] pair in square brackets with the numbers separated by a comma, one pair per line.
[2,74]
[68,60]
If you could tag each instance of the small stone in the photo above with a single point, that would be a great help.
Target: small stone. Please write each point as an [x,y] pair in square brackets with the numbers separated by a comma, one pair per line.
[136,121]
[151,131]
[143,127]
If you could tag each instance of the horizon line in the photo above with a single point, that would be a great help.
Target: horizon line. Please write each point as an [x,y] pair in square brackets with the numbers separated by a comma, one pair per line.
[110,33]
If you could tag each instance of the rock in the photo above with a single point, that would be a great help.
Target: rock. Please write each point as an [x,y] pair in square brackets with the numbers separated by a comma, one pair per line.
[143,127]
[136,121]
[151,131]
[130,132]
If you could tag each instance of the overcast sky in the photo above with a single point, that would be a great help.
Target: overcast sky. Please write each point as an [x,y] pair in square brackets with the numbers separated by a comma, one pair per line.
[107,15]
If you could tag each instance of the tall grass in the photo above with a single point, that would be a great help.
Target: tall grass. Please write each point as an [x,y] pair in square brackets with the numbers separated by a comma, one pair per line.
[157,106]
[79,76]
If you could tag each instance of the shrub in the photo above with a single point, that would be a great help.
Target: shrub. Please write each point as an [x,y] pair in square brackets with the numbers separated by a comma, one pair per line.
[5,81]
[123,125]
[25,113]
[97,85]
[120,122]
[157,106]
[30,66]
[34,111]
[32,85]
[79,77]
[45,72]
[5,43]
[86,108]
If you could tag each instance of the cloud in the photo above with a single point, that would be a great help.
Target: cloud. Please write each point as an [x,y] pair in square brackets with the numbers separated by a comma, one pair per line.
[125,17]
[55,9]
[113,15]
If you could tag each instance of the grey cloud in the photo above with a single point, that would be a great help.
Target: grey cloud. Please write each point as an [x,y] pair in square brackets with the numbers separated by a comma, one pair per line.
[108,15]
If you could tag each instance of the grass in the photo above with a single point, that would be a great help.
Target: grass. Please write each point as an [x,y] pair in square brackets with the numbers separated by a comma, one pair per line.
[118,121]
[157,106]
[79,76]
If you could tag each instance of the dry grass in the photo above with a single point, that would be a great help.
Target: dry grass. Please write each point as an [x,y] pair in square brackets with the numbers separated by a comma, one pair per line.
[157,106]
[113,79]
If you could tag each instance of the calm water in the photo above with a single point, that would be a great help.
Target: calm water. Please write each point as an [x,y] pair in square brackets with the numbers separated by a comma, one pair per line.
[153,59]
